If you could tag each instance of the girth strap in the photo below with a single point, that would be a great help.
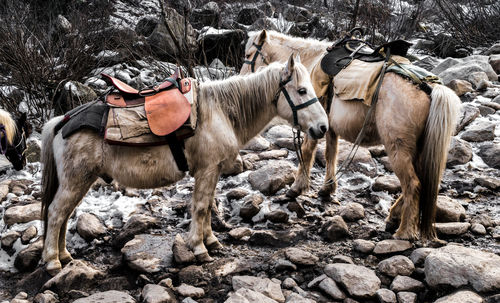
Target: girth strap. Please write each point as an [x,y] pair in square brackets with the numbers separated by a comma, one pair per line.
[177,149]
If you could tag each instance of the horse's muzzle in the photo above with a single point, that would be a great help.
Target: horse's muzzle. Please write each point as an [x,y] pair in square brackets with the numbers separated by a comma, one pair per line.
[319,131]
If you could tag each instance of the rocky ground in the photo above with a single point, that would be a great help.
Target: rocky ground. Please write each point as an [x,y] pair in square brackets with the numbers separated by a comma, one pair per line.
[128,244]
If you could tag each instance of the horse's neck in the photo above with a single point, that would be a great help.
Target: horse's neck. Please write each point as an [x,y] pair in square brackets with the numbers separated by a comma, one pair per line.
[246,102]
[309,51]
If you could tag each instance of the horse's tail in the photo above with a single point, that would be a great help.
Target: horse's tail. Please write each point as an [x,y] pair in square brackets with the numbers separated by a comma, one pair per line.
[441,122]
[50,181]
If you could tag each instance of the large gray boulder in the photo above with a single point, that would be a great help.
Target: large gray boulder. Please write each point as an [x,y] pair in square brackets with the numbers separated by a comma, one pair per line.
[458,266]
[272,177]
[452,68]
[264,286]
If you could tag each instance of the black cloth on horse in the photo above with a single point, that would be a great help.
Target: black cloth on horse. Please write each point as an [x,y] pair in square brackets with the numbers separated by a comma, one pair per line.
[91,116]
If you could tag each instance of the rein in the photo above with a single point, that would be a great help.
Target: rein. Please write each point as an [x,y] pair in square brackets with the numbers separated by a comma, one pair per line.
[254,59]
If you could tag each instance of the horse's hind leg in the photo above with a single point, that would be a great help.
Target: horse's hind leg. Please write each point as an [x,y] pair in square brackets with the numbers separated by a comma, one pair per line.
[61,208]
[301,183]
[407,205]
[330,185]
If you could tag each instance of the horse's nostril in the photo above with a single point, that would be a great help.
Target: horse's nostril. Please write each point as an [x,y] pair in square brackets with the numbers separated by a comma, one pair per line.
[323,128]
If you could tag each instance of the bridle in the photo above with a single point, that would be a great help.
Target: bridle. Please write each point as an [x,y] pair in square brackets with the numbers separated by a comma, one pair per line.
[297,140]
[255,56]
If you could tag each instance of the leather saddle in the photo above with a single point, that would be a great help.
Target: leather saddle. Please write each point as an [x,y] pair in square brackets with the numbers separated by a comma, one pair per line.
[167,109]
[345,50]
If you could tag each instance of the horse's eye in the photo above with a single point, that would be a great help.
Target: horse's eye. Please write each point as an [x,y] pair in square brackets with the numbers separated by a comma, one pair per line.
[302,91]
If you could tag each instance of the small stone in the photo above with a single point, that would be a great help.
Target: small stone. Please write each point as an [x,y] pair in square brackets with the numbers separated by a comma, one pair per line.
[188,300]
[23,214]
[449,210]
[28,234]
[396,265]
[336,228]
[237,193]
[407,297]
[363,246]
[262,285]
[90,227]
[149,253]
[182,253]
[167,282]
[479,132]
[404,283]
[452,229]
[152,293]
[277,216]
[460,87]
[488,182]
[489,153]
[193,275]
[478,229]
[330,287]
[46,297]
[250,206]
[459,152]
[342,259]
[296,298]
[385,295]
[352,212]
[9,238]
[272,177]
[110,296]
[273,154]
[315,282]
[27,259]
[377,151]
[186,290]
[136,224]
[389,183]
[300,257]
[244,295]
[257,143]
[483,219]
[391,246]
[75,275]
[240,232]
[359,281]
[289,283]
[462,296]
[283,265]
[418,255]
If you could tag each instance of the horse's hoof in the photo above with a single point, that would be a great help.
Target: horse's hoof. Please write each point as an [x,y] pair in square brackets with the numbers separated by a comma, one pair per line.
[53,267]
[214,246]
[436,243]
[204,258]
[391,225]
[292,193]
[65,258]
[405,236]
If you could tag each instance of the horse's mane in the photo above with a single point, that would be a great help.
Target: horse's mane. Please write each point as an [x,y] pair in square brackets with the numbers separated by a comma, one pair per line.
[303,45]
[9,124]
[243,97]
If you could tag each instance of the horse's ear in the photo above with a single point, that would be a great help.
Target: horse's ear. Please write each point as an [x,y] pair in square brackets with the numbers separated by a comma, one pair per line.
[289,67]
[297,58]
[262,37]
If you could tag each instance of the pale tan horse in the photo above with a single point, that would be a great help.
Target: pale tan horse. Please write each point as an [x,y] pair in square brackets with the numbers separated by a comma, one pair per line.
[414,128]
[230,113]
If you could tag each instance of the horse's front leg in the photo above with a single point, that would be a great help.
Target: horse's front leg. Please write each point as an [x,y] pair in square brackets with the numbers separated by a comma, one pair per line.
[330,185]
[204,190]
[301,183]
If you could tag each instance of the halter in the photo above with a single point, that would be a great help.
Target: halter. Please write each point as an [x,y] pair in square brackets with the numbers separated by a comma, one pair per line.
[294,107]
[297,140]
[259,51]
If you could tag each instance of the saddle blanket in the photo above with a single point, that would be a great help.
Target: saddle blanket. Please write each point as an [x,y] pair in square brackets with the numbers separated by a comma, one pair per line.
[358,81]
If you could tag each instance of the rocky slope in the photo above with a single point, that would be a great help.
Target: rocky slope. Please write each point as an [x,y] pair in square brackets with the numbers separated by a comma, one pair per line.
[128,244]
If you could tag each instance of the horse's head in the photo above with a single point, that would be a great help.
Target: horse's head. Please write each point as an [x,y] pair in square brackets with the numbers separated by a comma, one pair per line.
[297,100]
[258,52]
[15,151]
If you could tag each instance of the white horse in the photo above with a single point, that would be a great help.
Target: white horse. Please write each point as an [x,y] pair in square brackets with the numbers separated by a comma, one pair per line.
[230,113]
[414,127]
